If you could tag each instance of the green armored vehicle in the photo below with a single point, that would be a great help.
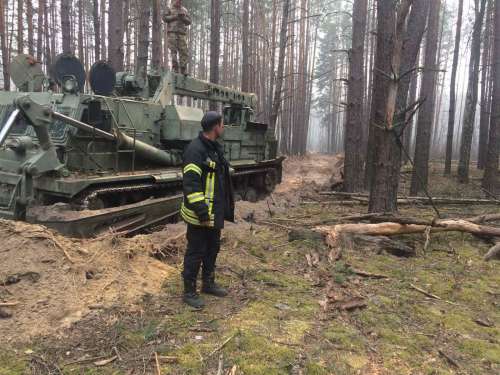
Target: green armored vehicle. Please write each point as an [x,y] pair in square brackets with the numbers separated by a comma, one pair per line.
[111,160]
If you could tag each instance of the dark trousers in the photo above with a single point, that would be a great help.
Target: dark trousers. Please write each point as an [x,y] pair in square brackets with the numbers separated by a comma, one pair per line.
[203,245]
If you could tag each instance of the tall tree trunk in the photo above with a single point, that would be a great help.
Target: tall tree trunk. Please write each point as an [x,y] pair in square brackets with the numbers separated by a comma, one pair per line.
[143,47]
[485,90]
[20,27]
[156,61]
[245,64]
[39,38]
[97,30]
[65,26]
[115,32]
[48,50]
[29,15]
[490,181]
[104,54]
[81,17]
[281,66]
[428,94]
[391,28]
[453,96]
[411,48]
[353,175]
[214,45]
[3,46]
[472,94]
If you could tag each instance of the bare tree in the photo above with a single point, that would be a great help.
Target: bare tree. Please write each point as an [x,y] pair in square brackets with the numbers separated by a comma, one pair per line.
[29,16]
[472,94]
[97,29]
[65,26]
[391,25]
[490,181]
[115,33]
[214,45]
[156,57]
[353,178]
[281,66]
[143,38]
[245,67]
[20,28]
[408,82]
[39,39]
[3,46]
[428,95]
[484,122]
[453,100]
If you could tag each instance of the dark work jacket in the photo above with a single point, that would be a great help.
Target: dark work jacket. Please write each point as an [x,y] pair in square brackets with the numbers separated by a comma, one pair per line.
[205,166]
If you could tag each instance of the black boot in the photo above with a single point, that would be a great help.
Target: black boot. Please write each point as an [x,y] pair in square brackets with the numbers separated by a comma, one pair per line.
[190,296]
[211,287]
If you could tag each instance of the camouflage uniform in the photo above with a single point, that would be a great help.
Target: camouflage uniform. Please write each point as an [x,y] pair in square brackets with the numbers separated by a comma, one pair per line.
[178,20]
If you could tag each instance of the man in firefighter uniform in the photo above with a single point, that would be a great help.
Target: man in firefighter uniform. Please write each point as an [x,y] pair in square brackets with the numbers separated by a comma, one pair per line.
[208,202]
[178,20]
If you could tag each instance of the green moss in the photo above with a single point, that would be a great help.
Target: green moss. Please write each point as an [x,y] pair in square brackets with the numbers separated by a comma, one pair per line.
[190,359]
[259,355]
[345,336]
[11,364]
[480,350]
[314,368]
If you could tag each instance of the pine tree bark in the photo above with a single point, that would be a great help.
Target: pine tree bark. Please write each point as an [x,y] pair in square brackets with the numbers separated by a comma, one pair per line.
[97,30]
[472,94]
[4,47]
[143,47]
[490,180]
[66,26]
[20,28]
[411,47]
[49,50]
[353,167]
[156,61]
[39,39]
[29,15]
[81,17]
[115,33]
[214,45]
[245,64]
[391,27]
[428,94]
[484,122]
[281,66]
[453,96]
[104,54]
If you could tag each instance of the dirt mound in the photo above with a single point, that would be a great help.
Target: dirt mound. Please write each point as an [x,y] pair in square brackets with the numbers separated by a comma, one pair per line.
[53,281]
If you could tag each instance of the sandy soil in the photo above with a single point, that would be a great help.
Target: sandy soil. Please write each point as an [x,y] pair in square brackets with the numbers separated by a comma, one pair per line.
[56,281]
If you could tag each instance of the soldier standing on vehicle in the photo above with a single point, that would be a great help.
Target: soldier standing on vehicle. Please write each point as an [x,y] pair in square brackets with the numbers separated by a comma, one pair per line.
[178,20]
[208,202]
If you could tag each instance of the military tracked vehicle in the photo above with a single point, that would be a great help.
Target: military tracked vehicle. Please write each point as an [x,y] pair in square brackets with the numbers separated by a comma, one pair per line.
[85,163]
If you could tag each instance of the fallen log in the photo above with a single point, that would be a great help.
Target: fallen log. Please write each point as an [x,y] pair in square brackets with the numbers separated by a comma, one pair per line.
[394,229]
[363,198]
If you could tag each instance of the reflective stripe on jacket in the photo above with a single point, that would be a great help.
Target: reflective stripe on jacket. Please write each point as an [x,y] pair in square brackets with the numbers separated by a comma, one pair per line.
[208,191]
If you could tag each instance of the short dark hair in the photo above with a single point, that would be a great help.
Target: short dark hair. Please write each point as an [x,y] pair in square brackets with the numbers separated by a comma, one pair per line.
[210,120]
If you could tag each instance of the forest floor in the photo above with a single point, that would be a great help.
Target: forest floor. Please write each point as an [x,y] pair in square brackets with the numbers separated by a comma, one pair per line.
[113,306]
